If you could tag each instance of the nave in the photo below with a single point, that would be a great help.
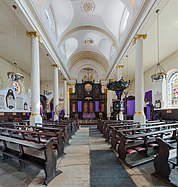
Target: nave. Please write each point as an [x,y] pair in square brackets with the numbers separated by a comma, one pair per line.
[88,161]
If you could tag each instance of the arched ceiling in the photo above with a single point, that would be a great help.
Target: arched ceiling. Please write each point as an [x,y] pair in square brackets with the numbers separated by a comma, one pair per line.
[74,39]
[87,55]
[87,27]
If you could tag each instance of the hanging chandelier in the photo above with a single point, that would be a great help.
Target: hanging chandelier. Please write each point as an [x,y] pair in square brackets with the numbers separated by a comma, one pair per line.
[14,75]
[159,72]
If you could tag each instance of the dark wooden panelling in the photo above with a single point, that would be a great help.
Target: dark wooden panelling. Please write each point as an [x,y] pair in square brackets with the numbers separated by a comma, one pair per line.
[88,92]
[166,114]
[13,116]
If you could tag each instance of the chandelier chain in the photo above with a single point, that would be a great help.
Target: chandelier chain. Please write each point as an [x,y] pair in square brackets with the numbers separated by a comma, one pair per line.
[158,39]
[15,8]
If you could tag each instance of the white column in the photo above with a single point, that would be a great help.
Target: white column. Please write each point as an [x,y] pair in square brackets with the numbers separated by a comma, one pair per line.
[55,92]
[73,88]
[109,103]
[65,98]
[119,72]
[68,102]
[119,75]
[139,82]
[164,94]
[35,80]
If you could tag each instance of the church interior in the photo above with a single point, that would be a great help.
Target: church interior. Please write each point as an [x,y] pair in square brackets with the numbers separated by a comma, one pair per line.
[88,93]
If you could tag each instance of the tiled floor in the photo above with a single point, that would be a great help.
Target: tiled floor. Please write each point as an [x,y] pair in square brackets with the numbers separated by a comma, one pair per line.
[75,164]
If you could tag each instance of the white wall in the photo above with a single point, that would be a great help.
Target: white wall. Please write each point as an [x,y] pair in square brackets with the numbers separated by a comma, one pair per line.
[7,84]
[158,89]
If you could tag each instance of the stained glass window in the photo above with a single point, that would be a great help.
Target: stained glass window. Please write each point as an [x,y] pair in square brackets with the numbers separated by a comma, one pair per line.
[173,90]
[16,87]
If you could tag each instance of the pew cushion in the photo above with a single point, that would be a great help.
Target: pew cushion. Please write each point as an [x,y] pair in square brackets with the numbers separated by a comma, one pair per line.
[42,136]
[131,151]
[154,135]
[118,141]
[130,133]
[129,140]
[154,145]
[168,133]
[54,138]
[139,138]
[139,149]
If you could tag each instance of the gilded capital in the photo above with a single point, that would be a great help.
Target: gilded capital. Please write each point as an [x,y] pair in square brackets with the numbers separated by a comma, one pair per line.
[35,34]
[120,66]
[139,36]
[54,65]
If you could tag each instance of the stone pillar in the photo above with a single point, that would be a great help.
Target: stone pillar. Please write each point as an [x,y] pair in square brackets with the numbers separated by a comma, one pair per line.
[139,80]
[119,72]
[65,98]
[120,116]
[35,116]
[55,92]
[68,102]
[164,94]
[109,103]
[73,88]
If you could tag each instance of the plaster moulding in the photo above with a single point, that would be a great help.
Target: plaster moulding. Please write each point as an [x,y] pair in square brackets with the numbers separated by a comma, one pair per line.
[88,6]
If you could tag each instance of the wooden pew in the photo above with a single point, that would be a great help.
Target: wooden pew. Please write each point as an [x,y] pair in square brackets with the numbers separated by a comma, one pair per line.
[113,133]
[38,137]
[73,123]
[42,156]
[109,127]
[110,134]
[55,125]
[108,123]
[101,123]
[135,128]
[139,147]
[162,162]
[64,129]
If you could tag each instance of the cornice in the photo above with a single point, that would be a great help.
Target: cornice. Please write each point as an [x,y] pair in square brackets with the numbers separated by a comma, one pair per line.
[136,25]
[36,24]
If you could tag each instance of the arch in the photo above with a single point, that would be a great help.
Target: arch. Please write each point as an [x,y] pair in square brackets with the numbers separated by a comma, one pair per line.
[92,64]
[105,47]
[70,45]
[88,55]
[63,14]
[88,27]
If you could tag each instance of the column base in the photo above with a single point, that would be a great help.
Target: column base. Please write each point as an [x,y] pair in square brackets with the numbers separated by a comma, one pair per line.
[121,116]
[35,119]
[117,117]
[56,117]
[141,118]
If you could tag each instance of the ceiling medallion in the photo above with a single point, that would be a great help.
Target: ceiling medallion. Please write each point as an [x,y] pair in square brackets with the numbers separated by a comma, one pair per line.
[88,6]
[88,41]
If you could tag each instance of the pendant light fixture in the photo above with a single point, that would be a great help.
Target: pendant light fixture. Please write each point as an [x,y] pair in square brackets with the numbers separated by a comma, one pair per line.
[13,75]
[159,73]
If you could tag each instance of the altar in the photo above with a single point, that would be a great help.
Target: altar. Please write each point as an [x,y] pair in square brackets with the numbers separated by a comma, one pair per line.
[88,101]
[88,116]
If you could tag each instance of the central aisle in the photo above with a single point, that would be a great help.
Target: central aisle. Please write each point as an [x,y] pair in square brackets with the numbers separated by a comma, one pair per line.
[105,169]
[75,164]
[89,162]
